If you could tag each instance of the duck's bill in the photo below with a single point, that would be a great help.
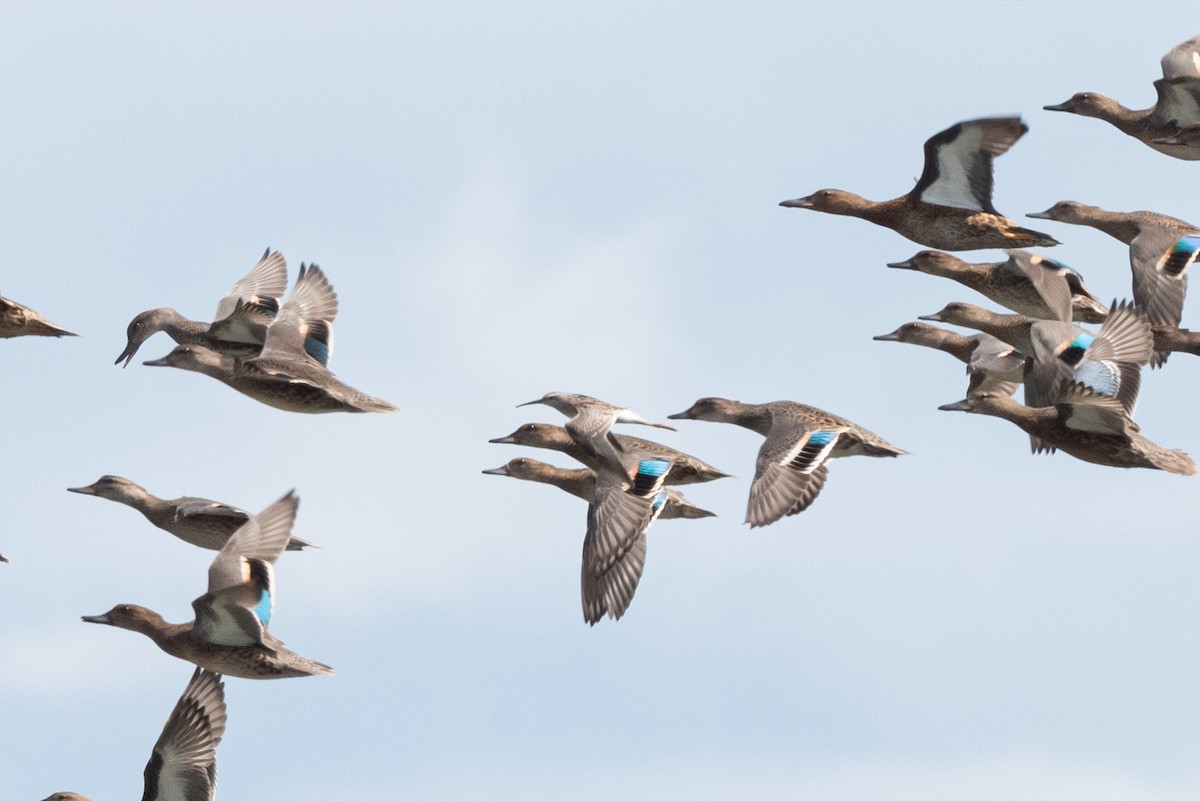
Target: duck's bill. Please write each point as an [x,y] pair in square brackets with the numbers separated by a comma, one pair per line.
[90,489]
[97,619]
[798,203]
[165,361]
[127,354]
[958,406]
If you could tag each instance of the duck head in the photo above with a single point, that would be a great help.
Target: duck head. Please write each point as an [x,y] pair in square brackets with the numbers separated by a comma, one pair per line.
[1068,211]
[912,332]
[831,201]
[196,358]
[1087,104]
[931,262]
[111,487]
[965,314]
[536,435]
[129,616]
[141,328]
[719,410]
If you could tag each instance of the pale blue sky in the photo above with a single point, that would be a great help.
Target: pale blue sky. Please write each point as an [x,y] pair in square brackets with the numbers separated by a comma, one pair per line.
[518,198]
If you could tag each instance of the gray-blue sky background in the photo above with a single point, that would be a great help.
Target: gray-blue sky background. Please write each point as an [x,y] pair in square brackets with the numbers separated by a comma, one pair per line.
[517,198]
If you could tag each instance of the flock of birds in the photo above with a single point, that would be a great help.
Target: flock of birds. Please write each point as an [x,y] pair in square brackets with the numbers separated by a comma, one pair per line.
[1080,390]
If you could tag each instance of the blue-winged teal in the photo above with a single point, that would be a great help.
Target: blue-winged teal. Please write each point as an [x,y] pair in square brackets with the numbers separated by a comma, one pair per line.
[627,498]
[685,469]
[1027,283]
[1088,426]
[1177,106]
[614,548]
[240,324]
[792,462]
[1058,353]
[229,634]
[581,482]
[21,321]
[285,375]
[950,208]
[1159,270]
[991,363]
[183,763]
[590,427]
[199,521]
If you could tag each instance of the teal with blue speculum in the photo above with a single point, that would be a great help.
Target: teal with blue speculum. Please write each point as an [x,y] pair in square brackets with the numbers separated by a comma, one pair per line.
[239,326]
[614,547]
[1059,353]
[1028,283]
[613,553]
[793,460]
[1083,423]
[229,634]
[685,468]
[590,427]
[581,482]
[1159,271]
[285,375]
[628,497]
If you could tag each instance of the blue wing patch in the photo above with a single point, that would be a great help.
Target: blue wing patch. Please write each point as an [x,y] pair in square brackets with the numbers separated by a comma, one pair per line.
[653,467]
[263,609]
[1181,255]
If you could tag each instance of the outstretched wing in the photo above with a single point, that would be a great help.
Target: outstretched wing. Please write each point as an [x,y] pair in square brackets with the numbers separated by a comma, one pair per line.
[236,610]
[958,162]
[183,764]
[790,471]
[263,286]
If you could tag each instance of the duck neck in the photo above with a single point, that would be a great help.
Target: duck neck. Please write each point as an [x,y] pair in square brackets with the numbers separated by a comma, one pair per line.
[1120,225]
[1035,421]
[1010,328]
[754,416]
[581,483]
[1126,120]
[959,346]
[958,270]
[183,330]
[137,497]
